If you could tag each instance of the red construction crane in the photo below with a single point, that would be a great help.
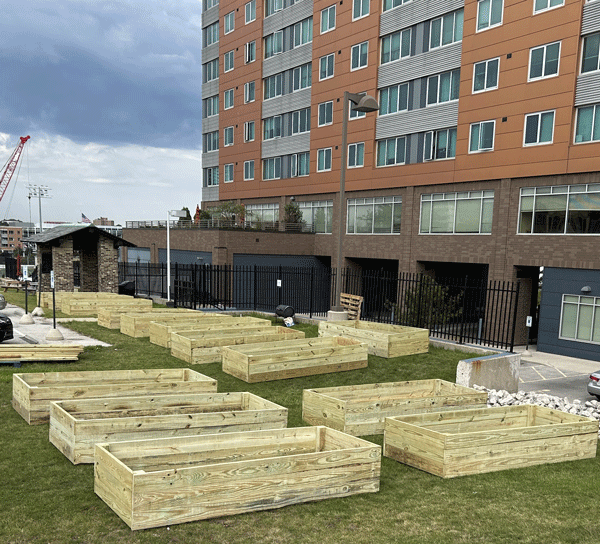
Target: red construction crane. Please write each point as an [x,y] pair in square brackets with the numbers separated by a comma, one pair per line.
[11,166]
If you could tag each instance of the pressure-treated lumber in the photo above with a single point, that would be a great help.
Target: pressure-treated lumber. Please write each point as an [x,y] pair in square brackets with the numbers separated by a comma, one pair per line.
[202,347]
[152,483]
[277,361]
[91,307]
[63,296]
[110,317]
[33,392]
[160,333]
[40,352]
[383,340]
[352,304]
[138,324]
[361,410]
[76,425]
[457,443]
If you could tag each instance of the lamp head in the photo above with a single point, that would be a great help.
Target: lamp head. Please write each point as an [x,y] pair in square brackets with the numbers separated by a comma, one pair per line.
[366,104]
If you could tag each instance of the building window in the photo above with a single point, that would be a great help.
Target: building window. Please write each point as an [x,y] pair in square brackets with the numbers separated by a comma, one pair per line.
[588,124]
[485,75]
[211,34]
[359,54]
[299,164]
[360,9]
[228,64]
[563,209]
[489,14]
[273,86]
[210,141]
[229,22]
[228,99]
[272,128]
[317,215]
[210,71]
[391,151]
[227,136]
[250,52]
[543,61]
[446,30]
[248,170]
[482,136]
[210,4]
[395,46]
[327,19]
[580,319]
[272,168]
[443,87]
[273,44]
[591,50]
[301,77]
[249,92]
[301,121]
[228,169]
[249,131]
[211,106]
[326,66]
[356,155]
[380,215]
[250,11]
[303,32]
[465,212]
[539,128]
[439,144]
[326,113]
[543,5]
[393,99]
[354,114]
[391,4]
[272,6]
[324,159]
[264,213]
[210,176]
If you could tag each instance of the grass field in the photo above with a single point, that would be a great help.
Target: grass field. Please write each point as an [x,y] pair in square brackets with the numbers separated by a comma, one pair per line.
[44,499]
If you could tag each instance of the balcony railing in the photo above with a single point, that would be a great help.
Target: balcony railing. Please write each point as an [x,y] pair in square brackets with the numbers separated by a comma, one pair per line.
[224,224]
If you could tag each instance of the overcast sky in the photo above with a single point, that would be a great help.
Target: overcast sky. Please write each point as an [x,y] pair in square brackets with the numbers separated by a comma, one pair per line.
[110,93]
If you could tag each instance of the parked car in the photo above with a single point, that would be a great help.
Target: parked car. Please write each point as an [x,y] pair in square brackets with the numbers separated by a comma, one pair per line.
[6,328]
[2,302]
[593,386]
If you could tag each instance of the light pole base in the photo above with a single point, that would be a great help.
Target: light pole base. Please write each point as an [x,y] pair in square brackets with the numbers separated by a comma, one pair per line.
[337,315]
[55,334]
[26,319]
[38,312]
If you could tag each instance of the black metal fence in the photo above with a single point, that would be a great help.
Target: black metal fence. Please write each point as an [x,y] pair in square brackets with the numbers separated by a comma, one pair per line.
[459,309]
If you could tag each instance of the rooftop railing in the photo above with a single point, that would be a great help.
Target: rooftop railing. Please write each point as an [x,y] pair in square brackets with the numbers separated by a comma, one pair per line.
[223,224]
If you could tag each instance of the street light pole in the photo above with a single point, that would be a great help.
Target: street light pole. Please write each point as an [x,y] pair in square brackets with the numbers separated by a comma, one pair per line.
[171,213]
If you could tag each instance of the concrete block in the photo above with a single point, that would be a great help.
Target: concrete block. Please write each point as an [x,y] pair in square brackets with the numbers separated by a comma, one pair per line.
[500,371]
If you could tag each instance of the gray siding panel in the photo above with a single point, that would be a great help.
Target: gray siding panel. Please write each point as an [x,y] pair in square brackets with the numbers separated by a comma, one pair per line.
[211,52]
[286,146]
[285,103]
[431,118]
[210,16]
[211,88]
[210,194]
[426,64]
[286,61]
[587,89]
[591,18]
[210,124]
[287,17]
[415,12]
[210,159]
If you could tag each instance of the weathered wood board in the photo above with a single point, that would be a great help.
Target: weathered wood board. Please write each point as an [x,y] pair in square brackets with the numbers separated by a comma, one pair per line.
[277,361]
[383,340]
[40,352]
[160,333]
[361,410]
[152,483]
[110,317]
[76,425]
[33,392]
[457,443]
[138,324]
[202,347]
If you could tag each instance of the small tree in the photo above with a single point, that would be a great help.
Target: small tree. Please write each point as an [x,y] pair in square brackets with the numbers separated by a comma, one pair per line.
[231,211]
[188,217]
[292,213]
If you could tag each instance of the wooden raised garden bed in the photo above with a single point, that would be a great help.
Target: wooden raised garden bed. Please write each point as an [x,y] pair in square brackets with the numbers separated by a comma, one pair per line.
[63,296]
[110,317]
[138,324]
[458,443]
[152,483]
[76,425]
[361,409]
[160,333]
[33,392]
[382,339]
[277,361]
[202,347]
[92,306]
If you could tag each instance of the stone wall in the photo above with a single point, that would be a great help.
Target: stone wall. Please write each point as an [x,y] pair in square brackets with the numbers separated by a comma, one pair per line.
[62,263]
[89,269]
[108,266]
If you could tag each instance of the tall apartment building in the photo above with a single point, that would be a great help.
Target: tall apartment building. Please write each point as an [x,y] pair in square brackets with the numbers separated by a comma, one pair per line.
[482,159]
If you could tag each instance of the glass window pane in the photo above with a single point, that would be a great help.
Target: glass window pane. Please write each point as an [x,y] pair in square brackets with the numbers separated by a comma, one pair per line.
[382,223]
[569,321]
[432,90]
[547,126]
[552,52]
[474,144]
[487,215]
[444,87]
[531,129]
[458,25]
[584,326]
[448,29]
[393,104]
[591,46]
[596,330]
[468,215]
[364,219]
[441,146]
[400,150]
[436,33]
[425,216]
[403,98]
[492,74]
[452,142]
[487,136]
[496,16]
[406,34]
[483,14]
[383,102]
[596,133]
[442,216]
[536,63]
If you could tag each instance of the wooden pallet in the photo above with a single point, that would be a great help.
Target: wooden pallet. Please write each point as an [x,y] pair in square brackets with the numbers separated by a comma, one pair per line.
[352,304]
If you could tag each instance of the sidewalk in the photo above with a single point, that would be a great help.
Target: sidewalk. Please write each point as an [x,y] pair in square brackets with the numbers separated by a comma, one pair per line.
[569,366]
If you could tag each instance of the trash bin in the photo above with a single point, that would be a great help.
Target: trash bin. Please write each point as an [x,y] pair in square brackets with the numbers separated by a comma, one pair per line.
[127,288]
[284,311]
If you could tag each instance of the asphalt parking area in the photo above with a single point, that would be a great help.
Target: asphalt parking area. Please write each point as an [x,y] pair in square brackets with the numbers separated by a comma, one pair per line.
[535,372]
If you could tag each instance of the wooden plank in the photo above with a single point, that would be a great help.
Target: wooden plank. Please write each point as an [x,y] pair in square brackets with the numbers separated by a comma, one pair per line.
[137,324]
[352,304]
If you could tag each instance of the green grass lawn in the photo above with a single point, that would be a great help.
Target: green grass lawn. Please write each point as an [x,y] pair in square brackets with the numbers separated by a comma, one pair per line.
[45,499]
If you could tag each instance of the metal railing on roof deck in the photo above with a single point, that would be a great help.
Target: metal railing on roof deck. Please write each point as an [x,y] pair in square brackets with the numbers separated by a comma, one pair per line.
[224,224]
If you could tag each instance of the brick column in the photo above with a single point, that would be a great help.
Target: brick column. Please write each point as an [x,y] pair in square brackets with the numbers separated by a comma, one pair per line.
[62,262]
[108,267]
[89,269]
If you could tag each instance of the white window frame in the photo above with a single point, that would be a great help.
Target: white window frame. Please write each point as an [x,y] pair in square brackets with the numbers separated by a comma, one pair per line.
[454,74]
[391,4]
[228,136]
[211,4]
[248,170]
[214,105]
[389,38]
[275,78]
[276,162]
[250,9]
[229,23]
[484,197]
[539,127]
[250,52]
[309,210]
[595,119]
[386,140]
[372,202]
[326,13]
[430,148]
[228,173]
[297,77]
[213,72]
[273,6]
[547,7]
[211,34]
[361,9]
[298,114]
[298,32]
[356,146]
[249,135]
[545,48]
[360,46]
[323,109]
[294,165]
[442,20]
[274,125]
[274,44]
[228,60]
[248,96]
[210,141]
[582,301]
[489,24]
[327,59]
[228,98]
[487,71]
[326,153]
[211,172]
[479,148]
